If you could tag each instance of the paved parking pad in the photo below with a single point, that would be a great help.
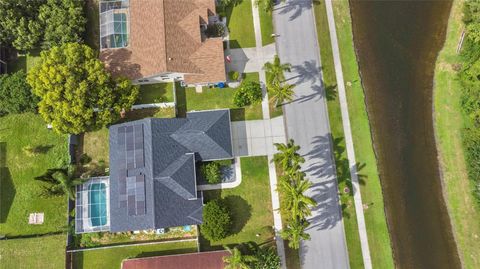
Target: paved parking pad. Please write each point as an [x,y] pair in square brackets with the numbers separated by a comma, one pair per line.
[256,137]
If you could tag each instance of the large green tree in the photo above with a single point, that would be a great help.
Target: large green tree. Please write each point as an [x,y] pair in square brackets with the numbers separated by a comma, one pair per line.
[75,90]
[19,23]
[16,95]
[216,220]
[63,22]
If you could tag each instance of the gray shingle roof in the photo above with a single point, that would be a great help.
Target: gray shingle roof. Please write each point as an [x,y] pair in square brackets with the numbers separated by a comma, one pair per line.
[171,148]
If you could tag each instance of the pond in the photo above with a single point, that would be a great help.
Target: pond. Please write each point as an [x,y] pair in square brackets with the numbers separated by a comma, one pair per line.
[397,43]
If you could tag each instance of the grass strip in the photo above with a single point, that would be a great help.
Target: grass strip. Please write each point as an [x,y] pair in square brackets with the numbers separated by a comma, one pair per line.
[377,231]
[449,123]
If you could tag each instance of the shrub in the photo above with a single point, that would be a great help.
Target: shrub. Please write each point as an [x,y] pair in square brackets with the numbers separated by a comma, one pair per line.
[234,75]
[267,258]
[248,93]
[215,30]
[16,95]
[85,159]
[212,172]
[216,220]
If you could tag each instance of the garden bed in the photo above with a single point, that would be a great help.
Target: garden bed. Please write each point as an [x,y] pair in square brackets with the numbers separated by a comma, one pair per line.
[91,240]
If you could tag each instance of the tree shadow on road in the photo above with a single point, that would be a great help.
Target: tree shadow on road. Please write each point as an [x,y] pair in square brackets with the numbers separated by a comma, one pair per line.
[297,7]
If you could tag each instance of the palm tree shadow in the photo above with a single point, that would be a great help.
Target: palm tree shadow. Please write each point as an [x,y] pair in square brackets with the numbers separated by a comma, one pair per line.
[297,7]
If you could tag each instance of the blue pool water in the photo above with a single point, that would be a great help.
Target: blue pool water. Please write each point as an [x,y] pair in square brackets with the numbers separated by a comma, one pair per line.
[97,199]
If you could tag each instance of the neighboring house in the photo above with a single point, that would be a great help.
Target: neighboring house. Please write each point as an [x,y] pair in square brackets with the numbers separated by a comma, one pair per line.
[3,60]
[161,40]
[199,260]
[153,177]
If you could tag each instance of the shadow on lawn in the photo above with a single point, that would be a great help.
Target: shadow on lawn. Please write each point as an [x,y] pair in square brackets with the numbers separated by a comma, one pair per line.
[7,189]
[240,210]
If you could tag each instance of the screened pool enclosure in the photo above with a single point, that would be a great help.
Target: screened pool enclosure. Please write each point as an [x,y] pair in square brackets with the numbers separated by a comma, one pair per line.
[92,206]
[114,26]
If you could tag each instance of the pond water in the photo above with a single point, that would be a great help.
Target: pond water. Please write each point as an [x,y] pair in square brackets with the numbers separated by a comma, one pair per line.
[397,43]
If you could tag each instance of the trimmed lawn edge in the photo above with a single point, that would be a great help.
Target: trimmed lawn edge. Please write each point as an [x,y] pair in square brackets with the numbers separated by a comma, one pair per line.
[449,122]
[370,187]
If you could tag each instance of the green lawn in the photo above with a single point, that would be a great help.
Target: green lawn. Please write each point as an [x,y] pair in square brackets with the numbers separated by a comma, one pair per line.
[240,25]
[275,111]
[155,93]
[216,98]
[19,191]
[379,240]
[449,122]
[113,257]
[46,252]
[266,26]
[96,145]
[25,62]
[250,205]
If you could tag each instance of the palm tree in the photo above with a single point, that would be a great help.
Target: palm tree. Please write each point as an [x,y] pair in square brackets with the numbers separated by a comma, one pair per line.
[281,92]
[237,260]
[288,156]
[61,181]
[294,196]
[295,232]
[275,71]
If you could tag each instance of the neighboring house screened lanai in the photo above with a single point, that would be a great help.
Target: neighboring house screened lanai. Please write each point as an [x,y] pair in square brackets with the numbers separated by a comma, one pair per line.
[150,41]
[114,26]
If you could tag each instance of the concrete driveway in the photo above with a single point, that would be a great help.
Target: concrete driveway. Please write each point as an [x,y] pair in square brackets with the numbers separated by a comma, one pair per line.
[256,137]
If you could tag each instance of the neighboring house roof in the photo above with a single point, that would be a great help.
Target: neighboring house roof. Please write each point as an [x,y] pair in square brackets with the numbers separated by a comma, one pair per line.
[199,260]
[152,168]
[165,36]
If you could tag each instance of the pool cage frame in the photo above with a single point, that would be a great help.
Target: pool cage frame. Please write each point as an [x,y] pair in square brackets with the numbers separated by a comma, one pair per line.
[83,221]
[114,33]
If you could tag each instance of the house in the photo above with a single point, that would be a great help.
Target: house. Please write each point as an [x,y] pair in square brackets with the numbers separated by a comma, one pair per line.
[151,41]
[199,260]
[153,177]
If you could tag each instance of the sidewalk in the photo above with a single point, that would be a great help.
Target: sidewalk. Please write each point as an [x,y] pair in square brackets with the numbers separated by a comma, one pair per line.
[277,219]
[348,137]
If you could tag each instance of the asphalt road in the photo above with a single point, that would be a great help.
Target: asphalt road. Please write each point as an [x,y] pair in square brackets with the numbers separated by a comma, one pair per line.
[307,123]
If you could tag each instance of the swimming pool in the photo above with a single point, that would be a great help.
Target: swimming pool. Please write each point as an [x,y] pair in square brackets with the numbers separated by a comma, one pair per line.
[97,200]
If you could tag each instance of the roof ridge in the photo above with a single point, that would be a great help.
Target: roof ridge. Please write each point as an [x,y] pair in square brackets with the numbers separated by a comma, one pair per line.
[165,35]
